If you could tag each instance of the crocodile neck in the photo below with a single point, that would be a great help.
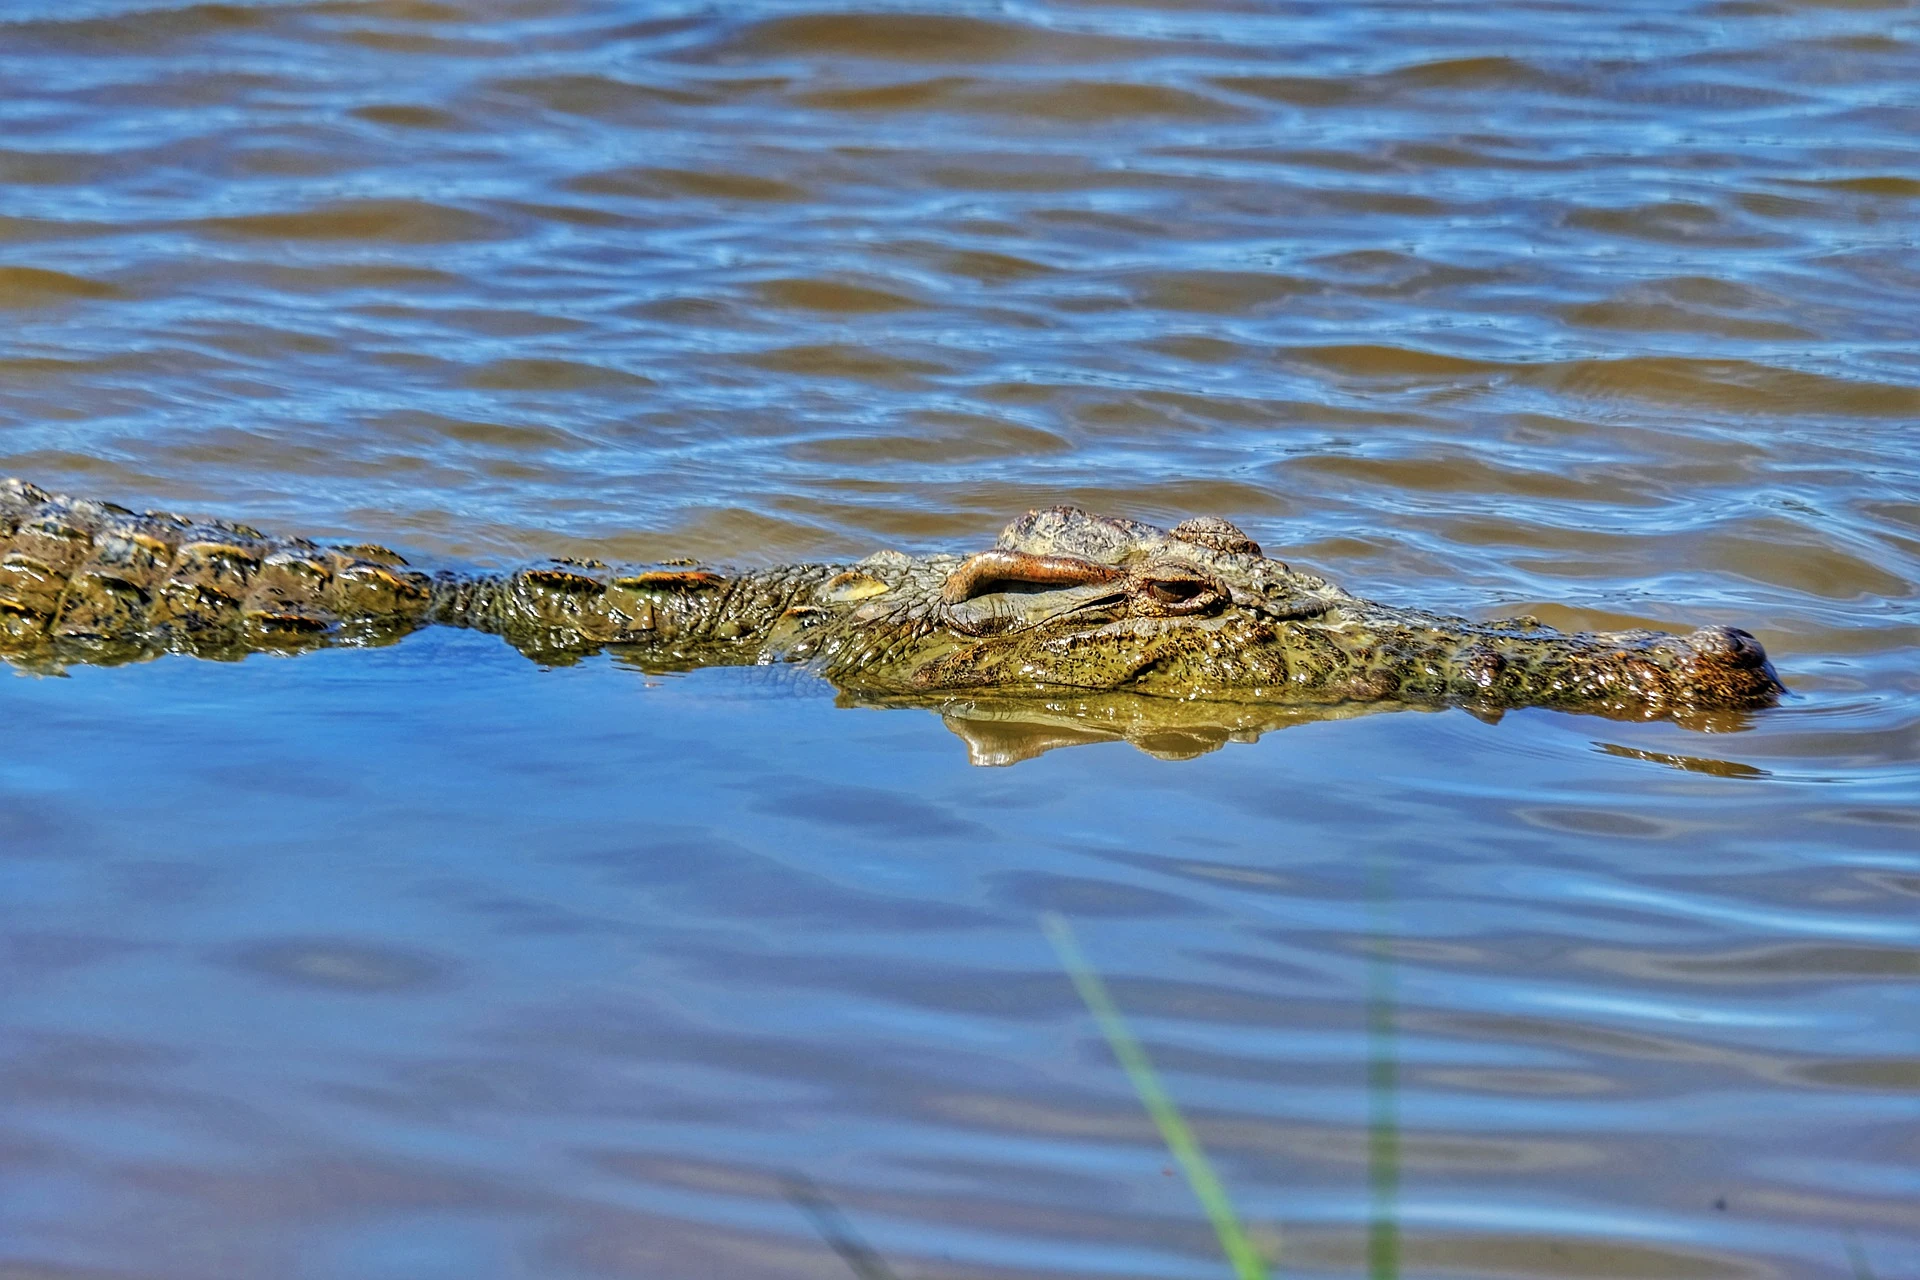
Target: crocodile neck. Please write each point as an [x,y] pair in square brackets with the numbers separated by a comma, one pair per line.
[685,616]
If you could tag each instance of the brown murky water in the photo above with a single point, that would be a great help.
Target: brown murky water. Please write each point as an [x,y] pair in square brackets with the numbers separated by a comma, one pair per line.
[426,962]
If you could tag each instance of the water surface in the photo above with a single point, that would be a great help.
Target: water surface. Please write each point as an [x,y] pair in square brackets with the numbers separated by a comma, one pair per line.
[430,962]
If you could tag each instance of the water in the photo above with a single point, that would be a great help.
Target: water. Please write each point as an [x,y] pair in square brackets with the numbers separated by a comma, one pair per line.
[428,962]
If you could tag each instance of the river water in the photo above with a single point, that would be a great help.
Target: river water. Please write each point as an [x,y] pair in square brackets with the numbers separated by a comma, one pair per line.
[429,962]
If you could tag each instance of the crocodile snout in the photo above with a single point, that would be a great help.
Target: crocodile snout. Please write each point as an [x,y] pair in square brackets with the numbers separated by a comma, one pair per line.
[1727,667]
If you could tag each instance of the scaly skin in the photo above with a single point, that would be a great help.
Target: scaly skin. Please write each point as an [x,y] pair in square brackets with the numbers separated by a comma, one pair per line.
[1064,603]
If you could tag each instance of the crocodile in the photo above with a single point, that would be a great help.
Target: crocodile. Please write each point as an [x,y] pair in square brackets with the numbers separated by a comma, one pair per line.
[1064,603]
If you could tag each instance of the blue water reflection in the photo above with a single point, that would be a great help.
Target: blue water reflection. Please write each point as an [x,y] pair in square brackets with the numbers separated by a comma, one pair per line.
[343,957]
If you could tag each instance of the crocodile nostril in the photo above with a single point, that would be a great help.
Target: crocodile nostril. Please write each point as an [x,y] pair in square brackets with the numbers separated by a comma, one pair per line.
[1727,644]
[1726,666]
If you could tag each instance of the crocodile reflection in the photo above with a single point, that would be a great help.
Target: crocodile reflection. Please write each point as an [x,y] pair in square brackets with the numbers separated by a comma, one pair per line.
[1006,731]
[1191,634]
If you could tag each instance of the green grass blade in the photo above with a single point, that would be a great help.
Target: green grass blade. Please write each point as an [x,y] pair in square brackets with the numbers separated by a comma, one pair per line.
[835,1229]
[1858,1257]
[1246,1260]
[1383,1076]
[1383,1120]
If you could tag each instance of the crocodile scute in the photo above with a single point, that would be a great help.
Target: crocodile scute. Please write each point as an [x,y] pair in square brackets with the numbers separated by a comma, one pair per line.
[95,579]
[1064,601]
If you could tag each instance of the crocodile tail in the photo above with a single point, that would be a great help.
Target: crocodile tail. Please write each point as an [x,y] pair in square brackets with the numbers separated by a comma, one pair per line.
[94,580]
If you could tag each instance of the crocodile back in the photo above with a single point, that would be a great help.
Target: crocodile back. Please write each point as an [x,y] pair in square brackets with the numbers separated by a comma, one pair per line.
[76,573]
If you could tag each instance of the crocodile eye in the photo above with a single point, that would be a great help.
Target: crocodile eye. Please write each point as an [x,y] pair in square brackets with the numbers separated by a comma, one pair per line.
[1176,590]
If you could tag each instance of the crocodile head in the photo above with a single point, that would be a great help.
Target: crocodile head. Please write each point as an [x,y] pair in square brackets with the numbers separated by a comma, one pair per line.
[1065,600]
[1065,567]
